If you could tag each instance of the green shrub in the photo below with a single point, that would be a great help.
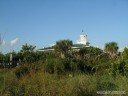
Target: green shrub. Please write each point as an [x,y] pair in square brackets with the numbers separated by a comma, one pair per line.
[21,71]
[54,65]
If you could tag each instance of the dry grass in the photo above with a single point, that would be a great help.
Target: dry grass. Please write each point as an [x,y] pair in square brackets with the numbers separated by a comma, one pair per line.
[41,83]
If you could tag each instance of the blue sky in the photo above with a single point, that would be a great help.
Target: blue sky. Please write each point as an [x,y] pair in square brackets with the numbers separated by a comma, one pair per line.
[43,22]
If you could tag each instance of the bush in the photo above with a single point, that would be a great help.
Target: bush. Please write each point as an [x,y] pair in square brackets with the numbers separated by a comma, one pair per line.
[21,71]
[54,65]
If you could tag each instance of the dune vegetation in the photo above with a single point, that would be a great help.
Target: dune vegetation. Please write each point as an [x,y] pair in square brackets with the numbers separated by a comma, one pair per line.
[64,71]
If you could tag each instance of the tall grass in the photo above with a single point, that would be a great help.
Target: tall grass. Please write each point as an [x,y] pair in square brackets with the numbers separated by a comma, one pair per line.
[42,83]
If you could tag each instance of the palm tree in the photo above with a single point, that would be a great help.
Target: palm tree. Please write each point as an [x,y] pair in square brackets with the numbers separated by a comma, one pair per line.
[63,46]
[111,48]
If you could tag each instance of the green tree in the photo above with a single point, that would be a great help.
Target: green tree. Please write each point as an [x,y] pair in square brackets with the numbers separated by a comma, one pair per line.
[28,53]
[111,48]
[120,66]
[90,51]
[125,54]
[125,59]
[95,59]
[63,46]
[1,56]
[28,48]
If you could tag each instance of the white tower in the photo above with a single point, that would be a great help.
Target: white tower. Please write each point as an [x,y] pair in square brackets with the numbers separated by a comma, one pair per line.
[83,39]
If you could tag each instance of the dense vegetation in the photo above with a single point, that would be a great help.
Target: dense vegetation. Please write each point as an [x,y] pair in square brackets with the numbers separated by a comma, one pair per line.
[64,71]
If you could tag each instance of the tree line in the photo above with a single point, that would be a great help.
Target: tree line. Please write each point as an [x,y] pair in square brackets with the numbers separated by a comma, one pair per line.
[63,59]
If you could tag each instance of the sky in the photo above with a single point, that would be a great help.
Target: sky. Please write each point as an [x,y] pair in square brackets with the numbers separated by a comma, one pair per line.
[43,22]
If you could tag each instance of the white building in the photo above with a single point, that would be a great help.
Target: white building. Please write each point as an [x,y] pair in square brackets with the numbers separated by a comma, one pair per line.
[83,42]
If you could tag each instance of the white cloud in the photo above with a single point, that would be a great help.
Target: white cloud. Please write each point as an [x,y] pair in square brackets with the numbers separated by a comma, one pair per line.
[14,41]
